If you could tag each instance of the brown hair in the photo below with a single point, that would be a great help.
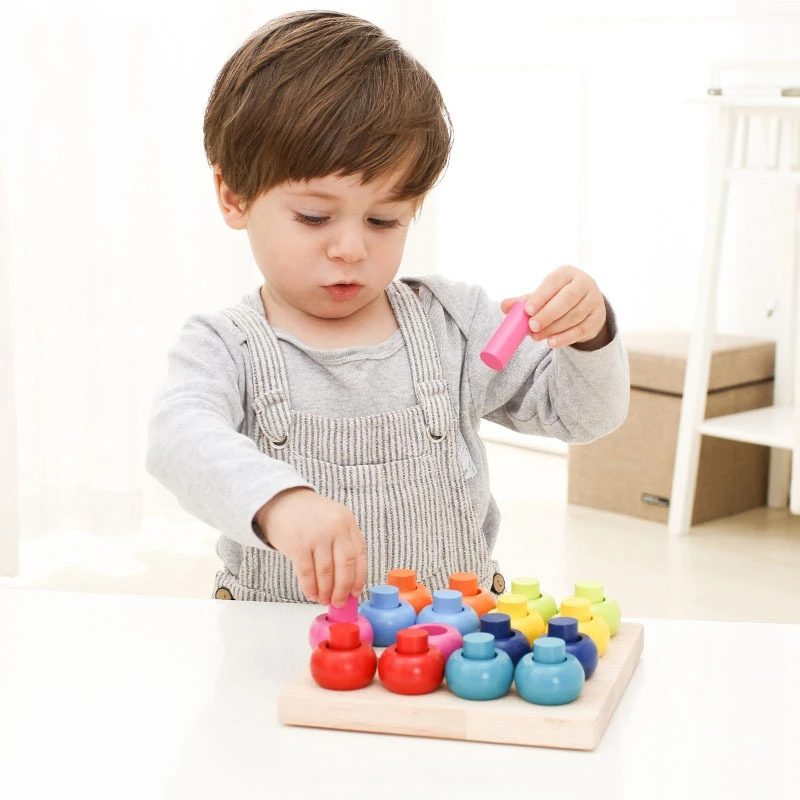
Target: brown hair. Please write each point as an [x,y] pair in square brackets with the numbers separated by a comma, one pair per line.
[317,93]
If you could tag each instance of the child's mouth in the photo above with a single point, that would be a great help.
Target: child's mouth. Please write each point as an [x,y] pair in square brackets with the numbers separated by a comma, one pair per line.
[340,292]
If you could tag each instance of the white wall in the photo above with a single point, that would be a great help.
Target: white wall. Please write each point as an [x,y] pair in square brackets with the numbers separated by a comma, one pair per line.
[575,143]
[9,471]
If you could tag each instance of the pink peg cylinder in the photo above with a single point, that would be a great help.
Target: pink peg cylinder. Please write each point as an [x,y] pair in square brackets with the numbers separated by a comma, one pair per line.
[507,338]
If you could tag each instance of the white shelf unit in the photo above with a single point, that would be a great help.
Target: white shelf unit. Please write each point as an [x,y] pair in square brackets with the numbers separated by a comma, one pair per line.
[777,427]
[768,426]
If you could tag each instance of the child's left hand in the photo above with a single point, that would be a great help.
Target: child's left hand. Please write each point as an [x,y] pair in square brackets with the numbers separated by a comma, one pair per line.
[567,308]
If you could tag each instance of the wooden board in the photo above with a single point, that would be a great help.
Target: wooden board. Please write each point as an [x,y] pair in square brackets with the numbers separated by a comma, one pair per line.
[510,720]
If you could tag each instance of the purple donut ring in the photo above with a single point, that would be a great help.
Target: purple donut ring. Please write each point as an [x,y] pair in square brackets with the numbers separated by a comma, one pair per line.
[445,638]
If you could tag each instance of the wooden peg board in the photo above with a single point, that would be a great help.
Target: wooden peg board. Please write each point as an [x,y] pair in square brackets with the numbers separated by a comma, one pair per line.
[442,715]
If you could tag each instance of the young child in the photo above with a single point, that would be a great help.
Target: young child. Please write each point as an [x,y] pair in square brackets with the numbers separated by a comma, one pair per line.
[327,425]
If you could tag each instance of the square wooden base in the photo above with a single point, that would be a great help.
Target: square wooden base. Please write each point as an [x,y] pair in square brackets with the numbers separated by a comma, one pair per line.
[510,720]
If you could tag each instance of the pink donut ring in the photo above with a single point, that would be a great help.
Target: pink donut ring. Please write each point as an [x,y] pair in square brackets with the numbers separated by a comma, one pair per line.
[348,613]
[445,638]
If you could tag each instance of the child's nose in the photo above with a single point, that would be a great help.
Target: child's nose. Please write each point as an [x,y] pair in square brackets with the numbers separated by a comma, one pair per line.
[348,245]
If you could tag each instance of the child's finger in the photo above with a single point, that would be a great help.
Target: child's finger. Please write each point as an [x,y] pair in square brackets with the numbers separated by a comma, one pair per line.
[574,317]
[323,569]
[344,562]
[360,549]
[306,576]
[568,297]
[586,329]
[505,305]
[549,288]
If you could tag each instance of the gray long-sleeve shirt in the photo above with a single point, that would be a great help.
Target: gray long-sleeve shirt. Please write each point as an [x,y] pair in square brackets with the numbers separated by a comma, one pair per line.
[199,446]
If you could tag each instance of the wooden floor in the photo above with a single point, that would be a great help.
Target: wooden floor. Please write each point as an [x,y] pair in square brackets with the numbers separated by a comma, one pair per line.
[745,567]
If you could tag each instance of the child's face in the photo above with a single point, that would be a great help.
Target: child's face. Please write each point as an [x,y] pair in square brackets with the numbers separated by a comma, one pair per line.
[330,246]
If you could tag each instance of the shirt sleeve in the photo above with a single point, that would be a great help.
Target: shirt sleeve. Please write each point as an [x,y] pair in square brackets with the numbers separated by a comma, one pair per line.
[196,445]
[573,395]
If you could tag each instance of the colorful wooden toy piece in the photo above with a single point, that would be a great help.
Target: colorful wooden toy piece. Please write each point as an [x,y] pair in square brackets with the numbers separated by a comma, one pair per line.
[606,607]
[479,671]
[387,614]
[411,666]
[342,661]
[592,625]
[506,638]
[543,604]
[549,676]
[577,644]
[347,613]
[445,638]
[507,338]
[481,600]
[449,609]
[529,622]
[412,592]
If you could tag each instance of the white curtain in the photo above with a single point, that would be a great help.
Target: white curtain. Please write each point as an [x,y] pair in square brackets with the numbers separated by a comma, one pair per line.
[112,237]
[9,471]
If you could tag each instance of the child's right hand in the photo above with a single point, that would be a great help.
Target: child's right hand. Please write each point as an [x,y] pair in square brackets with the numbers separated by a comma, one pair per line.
[322,540]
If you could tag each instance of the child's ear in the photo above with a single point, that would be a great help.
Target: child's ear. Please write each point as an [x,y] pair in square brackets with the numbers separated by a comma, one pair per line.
[230,204]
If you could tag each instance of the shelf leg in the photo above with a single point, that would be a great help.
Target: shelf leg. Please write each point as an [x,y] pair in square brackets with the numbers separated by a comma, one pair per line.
[698,363]
[794,467]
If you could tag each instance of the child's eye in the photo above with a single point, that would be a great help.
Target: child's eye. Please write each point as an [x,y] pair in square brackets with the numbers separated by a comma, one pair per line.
[306,219]
[383,223]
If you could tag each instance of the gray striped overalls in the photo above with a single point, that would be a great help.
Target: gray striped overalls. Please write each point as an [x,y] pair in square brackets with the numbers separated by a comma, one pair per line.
[398,472]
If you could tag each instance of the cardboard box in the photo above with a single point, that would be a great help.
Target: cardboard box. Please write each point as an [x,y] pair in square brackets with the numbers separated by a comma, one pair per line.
[630,471]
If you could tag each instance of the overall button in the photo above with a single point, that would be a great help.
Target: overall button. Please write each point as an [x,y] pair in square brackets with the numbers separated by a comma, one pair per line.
[223,594]
[498,583]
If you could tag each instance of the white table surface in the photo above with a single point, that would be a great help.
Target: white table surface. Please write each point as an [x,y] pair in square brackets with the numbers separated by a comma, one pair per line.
[141,697]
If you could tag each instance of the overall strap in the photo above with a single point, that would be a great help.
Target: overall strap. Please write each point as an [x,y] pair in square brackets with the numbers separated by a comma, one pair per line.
[426,367]
[270,387]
